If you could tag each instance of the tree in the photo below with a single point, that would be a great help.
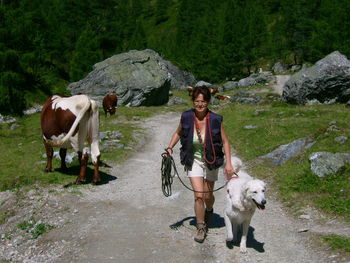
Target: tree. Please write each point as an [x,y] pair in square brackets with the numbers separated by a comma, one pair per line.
[86,54]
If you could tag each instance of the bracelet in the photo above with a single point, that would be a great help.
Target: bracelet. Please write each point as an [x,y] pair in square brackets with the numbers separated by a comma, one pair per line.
[169,148]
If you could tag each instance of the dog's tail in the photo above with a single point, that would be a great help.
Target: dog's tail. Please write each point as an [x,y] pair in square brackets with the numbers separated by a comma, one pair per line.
[236,163]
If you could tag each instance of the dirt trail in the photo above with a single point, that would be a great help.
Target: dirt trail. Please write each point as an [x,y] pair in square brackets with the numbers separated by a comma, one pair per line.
[129,219]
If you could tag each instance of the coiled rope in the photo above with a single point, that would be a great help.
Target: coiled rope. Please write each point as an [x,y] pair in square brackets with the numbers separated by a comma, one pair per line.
[168,172]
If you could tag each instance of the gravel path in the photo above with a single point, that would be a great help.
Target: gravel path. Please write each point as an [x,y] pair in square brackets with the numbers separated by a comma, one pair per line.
[129,220]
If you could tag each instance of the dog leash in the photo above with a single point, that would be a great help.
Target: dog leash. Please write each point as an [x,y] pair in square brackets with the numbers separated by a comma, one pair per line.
[168,172]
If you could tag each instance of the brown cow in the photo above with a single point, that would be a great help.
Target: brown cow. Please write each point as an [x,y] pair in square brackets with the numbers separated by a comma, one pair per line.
[222,97]
[69,122]
[213,91]
[190,90]
[109,103]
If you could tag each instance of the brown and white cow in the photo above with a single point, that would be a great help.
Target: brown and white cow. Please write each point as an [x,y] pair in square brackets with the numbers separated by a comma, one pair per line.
[222,97]
[67,122]
[109,103]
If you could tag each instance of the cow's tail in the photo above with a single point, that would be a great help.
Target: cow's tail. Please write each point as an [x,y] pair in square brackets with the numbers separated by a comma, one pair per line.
[59,142]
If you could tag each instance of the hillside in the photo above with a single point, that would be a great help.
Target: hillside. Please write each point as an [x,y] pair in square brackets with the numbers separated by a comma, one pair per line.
[44,45]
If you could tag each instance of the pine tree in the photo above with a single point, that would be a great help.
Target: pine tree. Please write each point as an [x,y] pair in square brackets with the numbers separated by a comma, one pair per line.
[85,55]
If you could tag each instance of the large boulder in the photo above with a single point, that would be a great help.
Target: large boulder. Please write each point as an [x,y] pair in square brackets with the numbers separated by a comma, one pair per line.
[328,80]
[139,78]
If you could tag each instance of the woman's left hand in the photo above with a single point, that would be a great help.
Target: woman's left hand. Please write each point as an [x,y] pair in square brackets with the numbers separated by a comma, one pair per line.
[228,170]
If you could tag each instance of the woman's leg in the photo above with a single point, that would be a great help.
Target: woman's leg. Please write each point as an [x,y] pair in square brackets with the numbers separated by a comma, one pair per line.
[209,198]
[199,207]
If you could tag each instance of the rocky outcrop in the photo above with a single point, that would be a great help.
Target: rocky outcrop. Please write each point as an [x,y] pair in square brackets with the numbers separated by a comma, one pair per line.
[326,163]
[139,78]
[327,81]
[284,152]
[230,85]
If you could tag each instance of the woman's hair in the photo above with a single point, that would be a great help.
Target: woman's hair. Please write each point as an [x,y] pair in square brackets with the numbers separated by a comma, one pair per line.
[204,90]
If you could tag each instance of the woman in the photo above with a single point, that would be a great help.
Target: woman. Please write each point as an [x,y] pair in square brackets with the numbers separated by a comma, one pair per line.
[202,138]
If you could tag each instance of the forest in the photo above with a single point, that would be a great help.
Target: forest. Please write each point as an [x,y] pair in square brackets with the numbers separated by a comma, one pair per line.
[44,45]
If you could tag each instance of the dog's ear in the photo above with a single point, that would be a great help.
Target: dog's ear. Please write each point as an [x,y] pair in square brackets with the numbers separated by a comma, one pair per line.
[245,188]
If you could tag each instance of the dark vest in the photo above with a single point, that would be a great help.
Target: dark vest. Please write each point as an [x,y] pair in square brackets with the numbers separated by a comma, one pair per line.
[186,150]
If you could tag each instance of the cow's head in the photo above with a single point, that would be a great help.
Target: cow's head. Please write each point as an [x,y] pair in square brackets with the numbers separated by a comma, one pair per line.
[111,110]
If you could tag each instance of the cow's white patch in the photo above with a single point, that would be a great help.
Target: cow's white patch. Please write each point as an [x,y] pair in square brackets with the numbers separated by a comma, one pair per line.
[68,103]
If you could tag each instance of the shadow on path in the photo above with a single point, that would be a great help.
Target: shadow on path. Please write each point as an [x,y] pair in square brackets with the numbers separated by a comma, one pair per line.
[251,241]
[74,171]
[216,222]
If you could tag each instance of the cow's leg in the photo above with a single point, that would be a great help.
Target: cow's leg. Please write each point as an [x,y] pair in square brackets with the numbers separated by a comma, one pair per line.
[96,179]
[49,155]
[63,153]
[80,155]
[93,139]
[83,165]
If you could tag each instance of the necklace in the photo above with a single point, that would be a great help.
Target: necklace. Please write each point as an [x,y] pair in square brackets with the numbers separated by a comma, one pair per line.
[196,123]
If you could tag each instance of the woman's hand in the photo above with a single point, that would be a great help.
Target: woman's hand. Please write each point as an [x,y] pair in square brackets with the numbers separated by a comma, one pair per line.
[228,170]
[169,150]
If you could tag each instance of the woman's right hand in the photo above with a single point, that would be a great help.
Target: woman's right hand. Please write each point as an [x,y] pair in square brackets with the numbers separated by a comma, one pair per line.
[169,150]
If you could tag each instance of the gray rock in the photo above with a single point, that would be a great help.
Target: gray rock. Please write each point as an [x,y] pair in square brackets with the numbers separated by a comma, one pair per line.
[328,81]
[246,82]
[313,102]
[279,67]
[286,151]
[341,139]
[306,217]
[6,119]
[259,111]
[176,101]
[203,83]
[32,110]
[179,79]
[14,126]
[326,163]
[295,68]
[229,85]
[246,97]
[139,78]
[344,156]
[249,127]
[262,77]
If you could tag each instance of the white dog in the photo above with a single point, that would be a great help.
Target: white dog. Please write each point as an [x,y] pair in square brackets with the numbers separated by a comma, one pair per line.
[244,195]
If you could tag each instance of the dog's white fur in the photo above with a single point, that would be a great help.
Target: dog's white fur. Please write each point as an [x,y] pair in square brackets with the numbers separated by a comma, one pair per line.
[244,194]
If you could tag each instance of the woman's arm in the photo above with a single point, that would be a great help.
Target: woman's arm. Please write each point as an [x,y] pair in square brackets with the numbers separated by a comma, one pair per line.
[228,170]
[174,139]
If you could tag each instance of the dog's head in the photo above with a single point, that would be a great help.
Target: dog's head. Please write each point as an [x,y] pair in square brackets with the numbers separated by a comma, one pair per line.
[255,191]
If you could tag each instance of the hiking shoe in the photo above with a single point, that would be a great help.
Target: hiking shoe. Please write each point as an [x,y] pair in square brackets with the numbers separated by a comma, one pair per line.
[208,216]
[201,233]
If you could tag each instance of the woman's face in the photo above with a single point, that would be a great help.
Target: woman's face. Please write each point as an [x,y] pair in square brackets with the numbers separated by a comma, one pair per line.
[200,105]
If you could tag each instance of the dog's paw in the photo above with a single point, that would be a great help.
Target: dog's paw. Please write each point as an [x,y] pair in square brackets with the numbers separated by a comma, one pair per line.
[229,239]
[243,249]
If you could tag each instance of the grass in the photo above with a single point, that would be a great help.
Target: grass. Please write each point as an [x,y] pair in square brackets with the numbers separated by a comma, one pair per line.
[338,242]
[32,227]
[279,124]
